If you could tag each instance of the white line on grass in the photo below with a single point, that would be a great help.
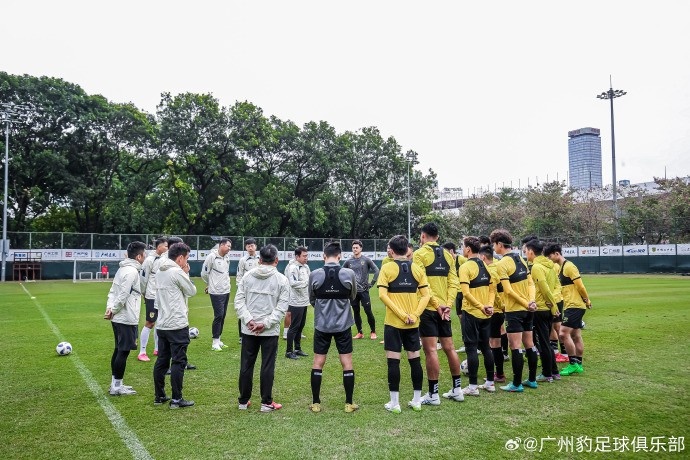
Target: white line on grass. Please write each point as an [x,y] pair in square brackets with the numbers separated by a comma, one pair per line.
[123,430]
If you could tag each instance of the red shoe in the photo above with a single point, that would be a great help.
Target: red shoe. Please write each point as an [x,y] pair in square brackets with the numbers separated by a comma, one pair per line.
[373,336]
[560,358]
[155,352]
[143,357]
[271,407]
[358,336]
[499,378]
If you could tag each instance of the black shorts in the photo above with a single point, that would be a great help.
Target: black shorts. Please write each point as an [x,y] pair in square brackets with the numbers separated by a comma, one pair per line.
[572,318]
[475,330]
[519,321]
[559,318]
[497,320]
[395,339]
[431,325]
[125,336]
[151,311]
[322,342]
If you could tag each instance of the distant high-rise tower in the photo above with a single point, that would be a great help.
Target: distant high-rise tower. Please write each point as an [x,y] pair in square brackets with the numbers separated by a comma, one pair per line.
[584,158]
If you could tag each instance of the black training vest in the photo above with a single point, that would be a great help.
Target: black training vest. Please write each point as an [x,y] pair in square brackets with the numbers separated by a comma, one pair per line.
[332,288]
[439,267]
[565,281]
[483,278]
[404,282]
[521,270]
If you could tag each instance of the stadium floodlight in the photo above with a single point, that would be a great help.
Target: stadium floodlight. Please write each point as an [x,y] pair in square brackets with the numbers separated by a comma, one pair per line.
[610,95]
[9,113]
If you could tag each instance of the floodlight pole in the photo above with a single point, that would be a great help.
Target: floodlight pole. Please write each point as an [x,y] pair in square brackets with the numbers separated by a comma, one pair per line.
[8,114]
[408,159]
[611,94]
[5,250]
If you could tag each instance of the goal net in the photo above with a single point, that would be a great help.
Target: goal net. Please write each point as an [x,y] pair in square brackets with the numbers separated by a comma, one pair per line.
[94,270]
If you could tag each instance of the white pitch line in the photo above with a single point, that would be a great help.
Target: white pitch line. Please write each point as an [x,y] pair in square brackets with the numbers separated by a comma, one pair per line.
[128,436]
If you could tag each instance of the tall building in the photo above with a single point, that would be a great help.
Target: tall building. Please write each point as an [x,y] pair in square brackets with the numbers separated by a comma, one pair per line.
[584,158]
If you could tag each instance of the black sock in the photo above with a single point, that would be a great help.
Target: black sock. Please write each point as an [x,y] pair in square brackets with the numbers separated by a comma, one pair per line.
[316,385]
[416,373]
[554,344]
[393,374]
[532,360]
[349,384]
[504,343]
[433,387]
[572,360]
[563,350]
[456,381]
[498,360]
[518,363]
[578,360]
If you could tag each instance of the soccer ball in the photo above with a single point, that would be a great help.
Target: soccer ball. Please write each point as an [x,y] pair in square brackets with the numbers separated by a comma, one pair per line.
[63,348]
[464,368]
[193,333]
[583,324]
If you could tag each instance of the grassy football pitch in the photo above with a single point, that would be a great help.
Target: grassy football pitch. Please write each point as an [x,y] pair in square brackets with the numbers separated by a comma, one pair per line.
[635,386]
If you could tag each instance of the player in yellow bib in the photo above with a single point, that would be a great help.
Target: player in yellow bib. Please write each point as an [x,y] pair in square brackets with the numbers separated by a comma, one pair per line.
[519,299]
[575,304]
[478,293]
[404,290]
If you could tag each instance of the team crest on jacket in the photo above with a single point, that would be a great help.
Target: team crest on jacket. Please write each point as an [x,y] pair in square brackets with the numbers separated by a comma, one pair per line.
[151,314]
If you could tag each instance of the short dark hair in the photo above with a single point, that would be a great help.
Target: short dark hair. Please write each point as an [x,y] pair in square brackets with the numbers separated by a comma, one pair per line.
[472,242]
[528,238]
[158,241]
[398,245]
[224,240]
[484,240]
[268,254]
[249,241]
[358,242]
[174,239]
[430,229]
[535,245]
[135,248]
[299,250]
[177,250]
[552,248]
[332,249]
[487,252]
[502,236]
[450,246]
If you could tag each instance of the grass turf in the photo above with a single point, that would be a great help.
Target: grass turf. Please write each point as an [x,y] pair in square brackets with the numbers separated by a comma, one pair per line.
[635,384]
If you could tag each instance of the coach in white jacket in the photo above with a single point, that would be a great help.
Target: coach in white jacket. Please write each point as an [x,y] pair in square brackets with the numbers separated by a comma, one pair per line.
[261,302]
[122,309]
[174,287]
[216,274]
[297,272]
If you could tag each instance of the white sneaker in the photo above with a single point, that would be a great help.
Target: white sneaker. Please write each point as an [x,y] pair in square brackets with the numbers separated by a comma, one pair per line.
[470,392]
[222,345]
[216,347]
[391,408]
[460,350]
[415,407]
[439,346]
[122,391]
[428,400]
[303,336]
[285,335]
[456,395]
[487,387]
[244,406]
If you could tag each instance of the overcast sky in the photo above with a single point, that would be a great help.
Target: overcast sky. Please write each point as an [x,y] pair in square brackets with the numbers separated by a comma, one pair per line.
[485,92]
